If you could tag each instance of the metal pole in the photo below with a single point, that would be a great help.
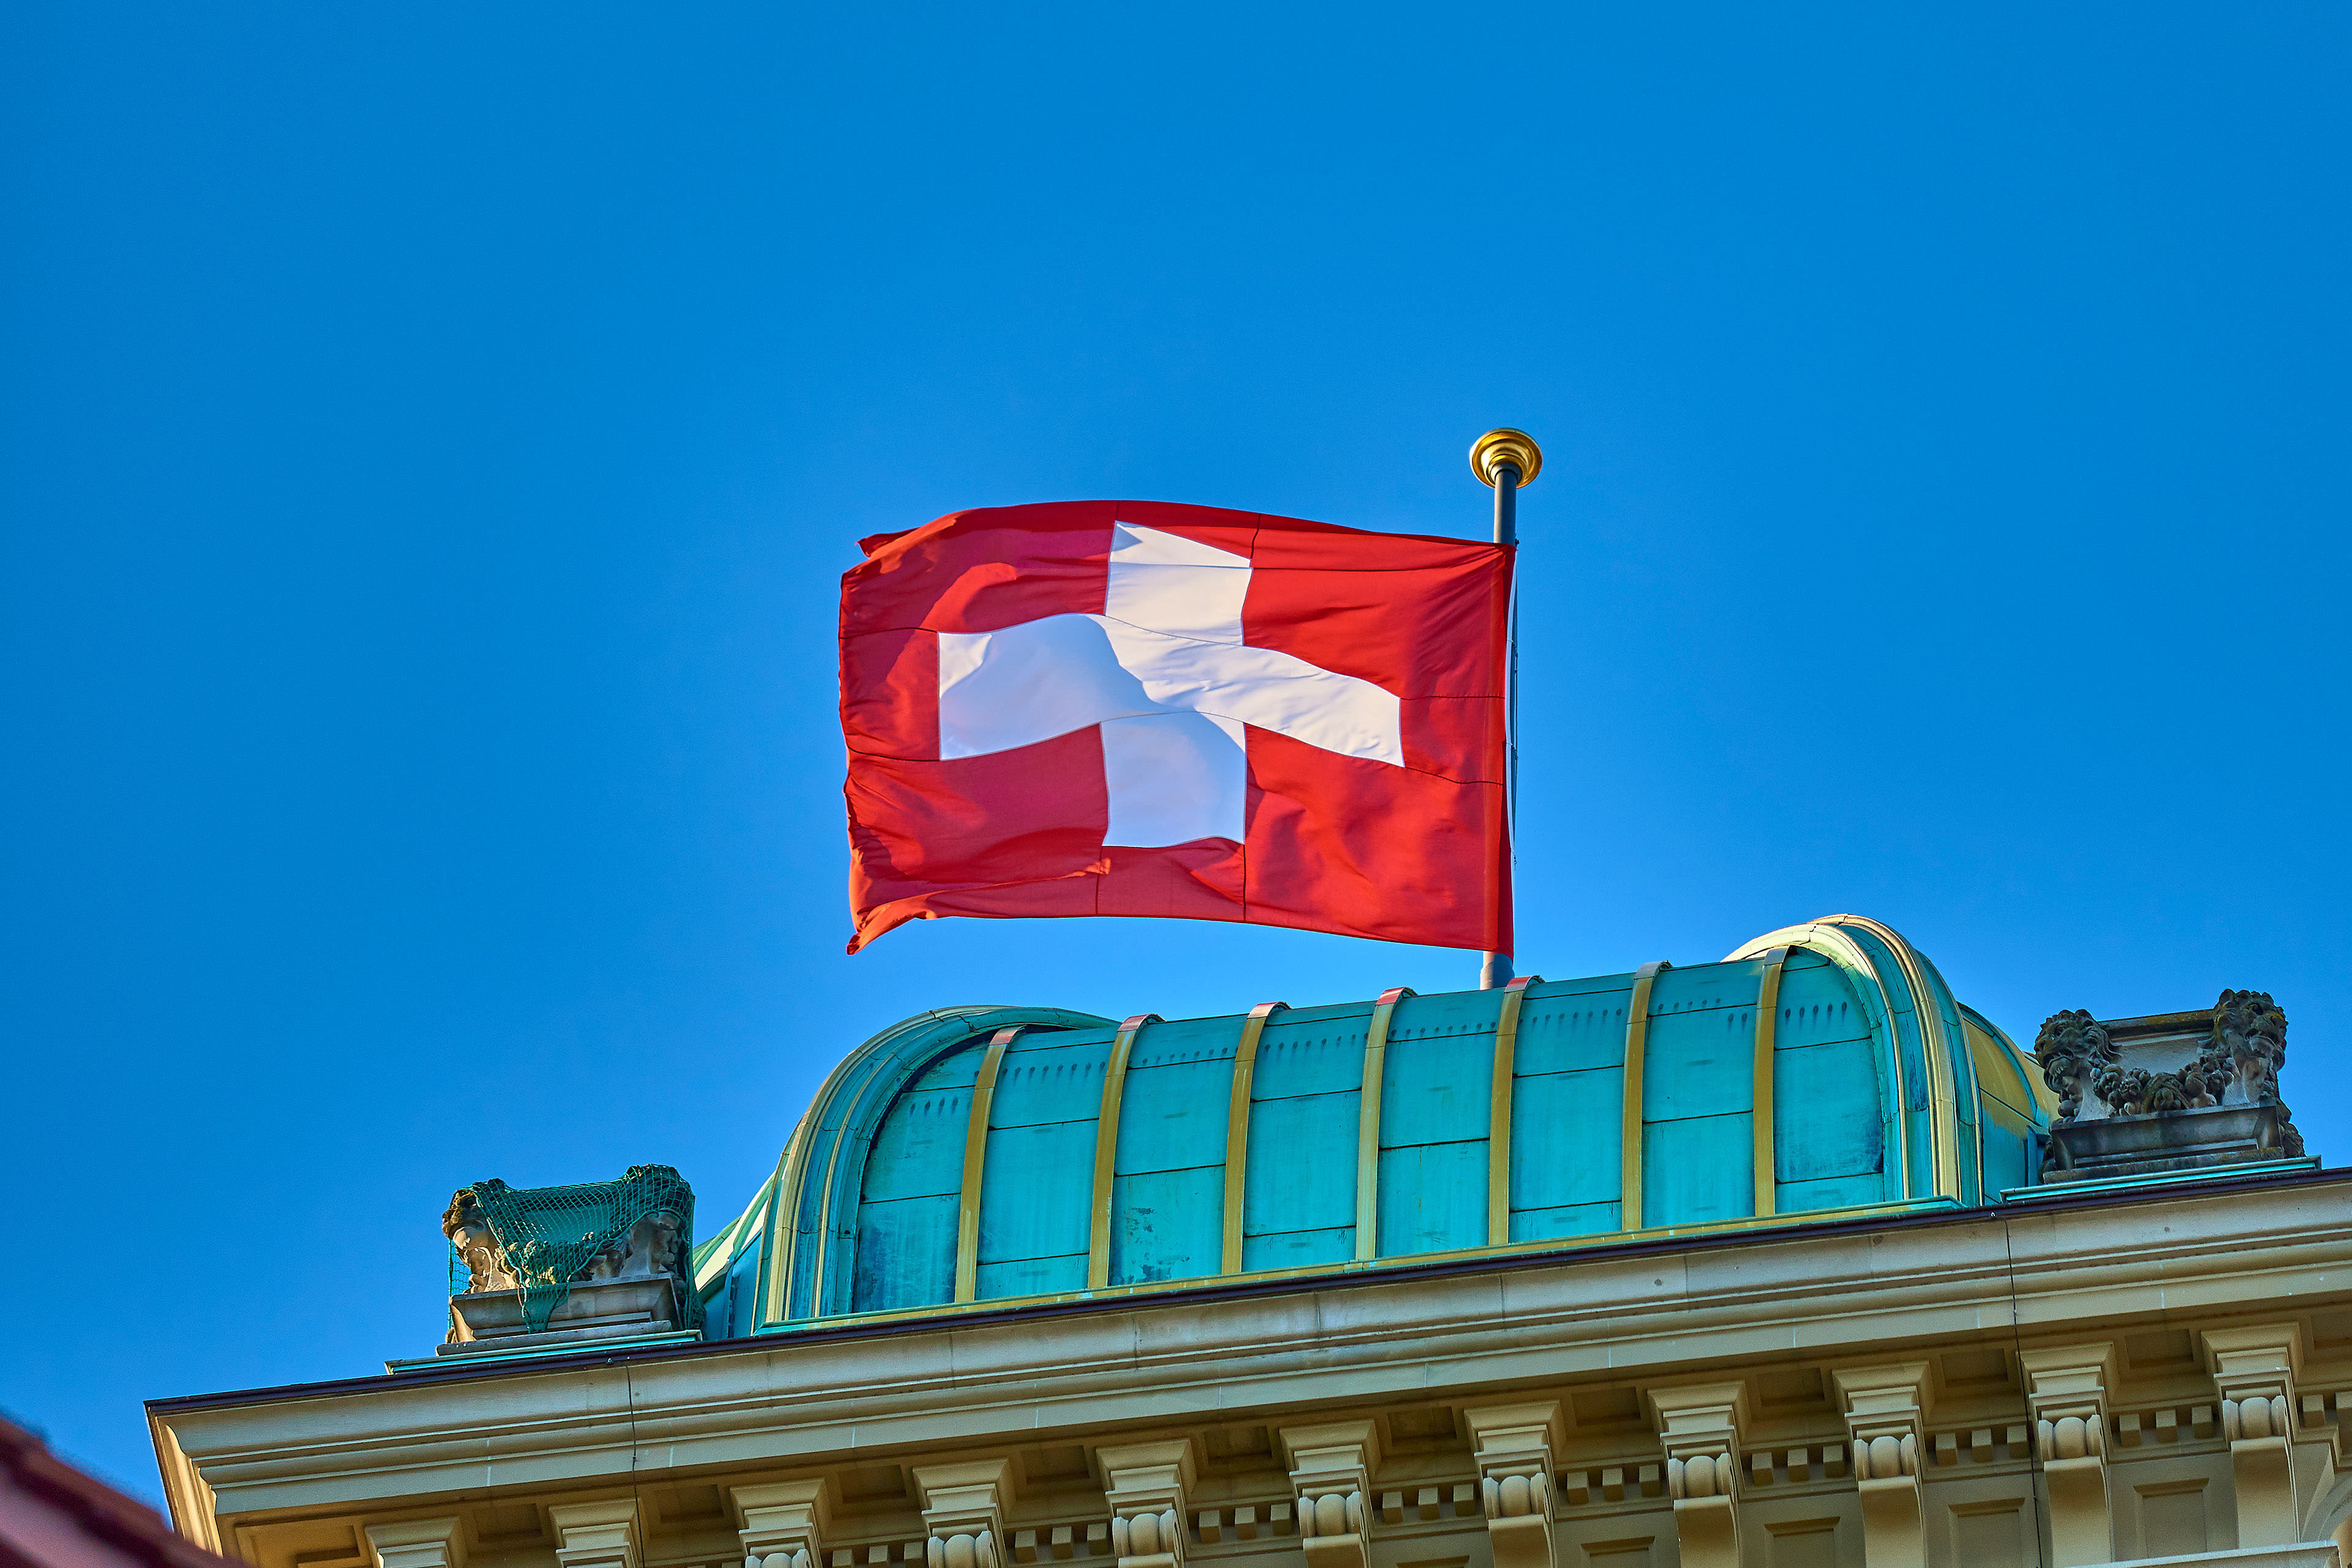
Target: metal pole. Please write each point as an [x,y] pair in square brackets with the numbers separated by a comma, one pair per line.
[1506,459]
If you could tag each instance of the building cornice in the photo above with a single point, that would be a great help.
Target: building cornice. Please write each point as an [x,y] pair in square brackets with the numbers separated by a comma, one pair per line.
[1451,1331]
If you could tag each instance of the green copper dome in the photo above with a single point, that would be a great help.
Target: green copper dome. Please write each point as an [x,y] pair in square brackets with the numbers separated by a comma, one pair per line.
[994,1154]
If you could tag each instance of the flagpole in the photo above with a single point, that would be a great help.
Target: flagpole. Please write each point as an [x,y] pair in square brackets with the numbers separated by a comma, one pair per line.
[1506,459]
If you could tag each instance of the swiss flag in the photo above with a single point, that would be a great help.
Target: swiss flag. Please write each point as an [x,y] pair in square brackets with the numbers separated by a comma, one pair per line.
[1135,707]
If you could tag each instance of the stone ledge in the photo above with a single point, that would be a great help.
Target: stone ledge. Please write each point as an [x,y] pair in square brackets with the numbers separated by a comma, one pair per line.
[2309,1554]
[522,1347]
[1122,1365]
[644,1304]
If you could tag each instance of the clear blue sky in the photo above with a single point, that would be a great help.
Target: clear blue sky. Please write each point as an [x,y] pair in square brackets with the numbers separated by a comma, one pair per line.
[433,439]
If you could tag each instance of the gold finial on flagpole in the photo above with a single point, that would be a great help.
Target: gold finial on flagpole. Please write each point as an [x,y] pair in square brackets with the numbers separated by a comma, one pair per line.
[1505,460]
[1496,447]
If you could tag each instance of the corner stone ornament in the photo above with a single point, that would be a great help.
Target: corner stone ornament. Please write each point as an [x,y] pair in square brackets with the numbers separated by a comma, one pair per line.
[593,1261]
[2174,1091]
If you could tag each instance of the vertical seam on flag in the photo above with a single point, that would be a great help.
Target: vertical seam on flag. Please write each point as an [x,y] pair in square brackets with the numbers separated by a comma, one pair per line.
[1247,776]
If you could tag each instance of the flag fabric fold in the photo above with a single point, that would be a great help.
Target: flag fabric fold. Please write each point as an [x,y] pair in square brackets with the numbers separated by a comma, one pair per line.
[1138,708]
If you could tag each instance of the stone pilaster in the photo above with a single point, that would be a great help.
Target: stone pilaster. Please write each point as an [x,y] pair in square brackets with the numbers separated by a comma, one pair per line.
[964,1512]
[417,1543]
[2254,1372]
[784,1523]
[1144,1484]
[1885,1425]
[2066,1391]
[1515,1448]
[597,1534]
[1331,1471]
[1699,1427]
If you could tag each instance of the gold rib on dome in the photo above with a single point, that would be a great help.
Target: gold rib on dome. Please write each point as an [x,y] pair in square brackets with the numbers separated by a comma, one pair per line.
[1456,1132]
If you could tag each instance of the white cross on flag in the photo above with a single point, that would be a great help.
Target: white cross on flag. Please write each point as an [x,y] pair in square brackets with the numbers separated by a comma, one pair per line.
[1127,708]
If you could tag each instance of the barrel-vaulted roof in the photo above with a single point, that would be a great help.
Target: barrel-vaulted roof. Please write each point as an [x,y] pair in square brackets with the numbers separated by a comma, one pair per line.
[990,1155]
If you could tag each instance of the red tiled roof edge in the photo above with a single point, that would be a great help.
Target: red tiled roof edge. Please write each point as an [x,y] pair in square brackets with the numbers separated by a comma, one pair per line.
[113,1517]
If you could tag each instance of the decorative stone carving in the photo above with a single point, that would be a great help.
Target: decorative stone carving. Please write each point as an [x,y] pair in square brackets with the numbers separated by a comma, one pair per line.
[1885,1423]
[2172,1092]
[2066,1392]
[964,1512]
[1331,1471]
[469,1230]
[784,1523]
[2254,1371]
[549,1266]
[1515,1448]
[2073,1049]
[649,1248]
[417,1543]
[1700,1428]
[2250,1033]
[597,1534]
[1144,1484]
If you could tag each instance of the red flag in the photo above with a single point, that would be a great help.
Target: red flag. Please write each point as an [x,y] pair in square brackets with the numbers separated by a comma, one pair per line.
[1135,707]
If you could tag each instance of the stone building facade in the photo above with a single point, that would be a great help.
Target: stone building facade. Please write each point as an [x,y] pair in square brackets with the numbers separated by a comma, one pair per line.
[1789,1261]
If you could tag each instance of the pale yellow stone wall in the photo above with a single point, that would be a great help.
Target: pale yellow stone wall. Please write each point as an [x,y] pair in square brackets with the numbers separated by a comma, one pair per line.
[2049,1386]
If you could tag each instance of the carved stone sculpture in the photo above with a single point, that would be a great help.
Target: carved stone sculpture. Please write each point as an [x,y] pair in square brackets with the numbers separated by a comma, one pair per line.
[2250,1032]
[470,1232]
[649,1248]
[2073,1050]
[594,1260]
[2174,1091]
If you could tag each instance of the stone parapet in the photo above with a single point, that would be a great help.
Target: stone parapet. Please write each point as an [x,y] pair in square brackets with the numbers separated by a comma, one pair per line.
[1425,1396]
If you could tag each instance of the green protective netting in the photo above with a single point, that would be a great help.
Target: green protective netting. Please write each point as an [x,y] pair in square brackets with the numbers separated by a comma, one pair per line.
[551,1238]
